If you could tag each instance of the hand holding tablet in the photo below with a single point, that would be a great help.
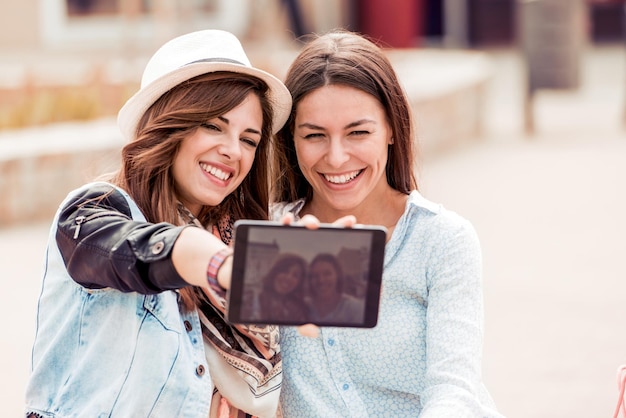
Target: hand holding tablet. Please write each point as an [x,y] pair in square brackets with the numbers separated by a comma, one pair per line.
[293,275]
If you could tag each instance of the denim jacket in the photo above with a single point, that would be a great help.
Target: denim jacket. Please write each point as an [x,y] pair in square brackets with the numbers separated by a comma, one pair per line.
[107,353]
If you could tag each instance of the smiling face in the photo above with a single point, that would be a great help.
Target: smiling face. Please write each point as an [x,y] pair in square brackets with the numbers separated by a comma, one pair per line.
[287,281]
[341,137]
[213,161]
[324,279]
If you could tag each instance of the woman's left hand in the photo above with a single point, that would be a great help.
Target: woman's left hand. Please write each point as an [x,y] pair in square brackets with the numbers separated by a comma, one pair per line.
[311,222]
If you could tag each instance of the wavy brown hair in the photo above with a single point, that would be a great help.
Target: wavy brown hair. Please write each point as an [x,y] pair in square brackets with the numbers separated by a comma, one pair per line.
[282,264]
[349,59]
[146,170]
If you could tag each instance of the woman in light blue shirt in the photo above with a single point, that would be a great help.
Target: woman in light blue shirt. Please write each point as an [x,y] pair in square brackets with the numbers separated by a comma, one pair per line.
[347,149]
[328,301]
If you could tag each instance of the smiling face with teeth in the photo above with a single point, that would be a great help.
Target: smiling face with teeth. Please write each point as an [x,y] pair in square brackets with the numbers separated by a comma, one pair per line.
[341,137]
[215,158]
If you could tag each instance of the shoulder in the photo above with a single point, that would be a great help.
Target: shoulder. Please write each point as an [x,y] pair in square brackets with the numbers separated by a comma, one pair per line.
[351,301]
[432,224]
[429,212]
[100,195]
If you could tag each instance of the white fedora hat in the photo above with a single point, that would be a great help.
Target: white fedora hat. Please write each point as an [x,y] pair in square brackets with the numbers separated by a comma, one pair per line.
[191,55]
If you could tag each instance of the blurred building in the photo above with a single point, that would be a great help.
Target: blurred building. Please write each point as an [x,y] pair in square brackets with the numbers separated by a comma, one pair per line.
[79,60]
[86,25]
[470,23]
[98,24]
[94,50]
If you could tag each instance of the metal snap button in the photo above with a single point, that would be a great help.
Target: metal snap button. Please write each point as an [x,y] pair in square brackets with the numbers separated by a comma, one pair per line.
[158,247]
[200,370]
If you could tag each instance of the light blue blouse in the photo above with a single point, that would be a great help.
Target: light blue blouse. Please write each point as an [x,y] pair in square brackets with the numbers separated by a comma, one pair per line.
[424,356]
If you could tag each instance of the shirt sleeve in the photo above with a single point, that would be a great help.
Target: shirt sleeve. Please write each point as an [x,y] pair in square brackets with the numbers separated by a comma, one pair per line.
[455,324]
[102,246]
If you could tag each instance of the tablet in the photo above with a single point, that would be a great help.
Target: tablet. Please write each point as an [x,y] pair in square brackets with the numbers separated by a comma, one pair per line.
[291,275]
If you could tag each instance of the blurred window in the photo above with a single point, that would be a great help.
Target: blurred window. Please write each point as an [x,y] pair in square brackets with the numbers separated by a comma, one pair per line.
[77,23]
[92,7]
[83,8]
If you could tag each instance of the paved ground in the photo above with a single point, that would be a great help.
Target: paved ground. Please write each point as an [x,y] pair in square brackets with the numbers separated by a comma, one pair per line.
[550,211]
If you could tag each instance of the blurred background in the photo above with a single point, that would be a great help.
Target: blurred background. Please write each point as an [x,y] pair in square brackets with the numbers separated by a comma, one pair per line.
[520,112]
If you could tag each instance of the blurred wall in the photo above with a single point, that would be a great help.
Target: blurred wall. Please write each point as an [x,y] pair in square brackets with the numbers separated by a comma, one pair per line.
[19,24]
[45,24]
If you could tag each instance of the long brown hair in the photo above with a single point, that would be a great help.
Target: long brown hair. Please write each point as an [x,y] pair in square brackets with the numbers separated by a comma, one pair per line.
[345,58]
[282,264]
[146,171]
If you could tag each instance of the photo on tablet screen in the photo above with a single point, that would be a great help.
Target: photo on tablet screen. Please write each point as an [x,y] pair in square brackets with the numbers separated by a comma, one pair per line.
[290,275]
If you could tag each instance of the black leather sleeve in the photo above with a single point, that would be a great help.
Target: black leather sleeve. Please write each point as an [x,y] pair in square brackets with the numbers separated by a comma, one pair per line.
[102,246]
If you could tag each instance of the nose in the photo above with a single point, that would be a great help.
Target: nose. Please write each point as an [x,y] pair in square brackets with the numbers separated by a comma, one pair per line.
[230,147]
[337,153]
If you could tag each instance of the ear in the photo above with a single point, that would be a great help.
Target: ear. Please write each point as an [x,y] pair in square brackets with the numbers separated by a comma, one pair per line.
[390,141]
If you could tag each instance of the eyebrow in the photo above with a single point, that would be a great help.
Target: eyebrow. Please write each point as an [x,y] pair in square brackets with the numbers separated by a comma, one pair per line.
[250,130]
[348,126]
[360,122]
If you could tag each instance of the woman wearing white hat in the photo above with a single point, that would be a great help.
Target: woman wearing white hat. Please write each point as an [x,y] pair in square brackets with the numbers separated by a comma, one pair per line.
[130,318]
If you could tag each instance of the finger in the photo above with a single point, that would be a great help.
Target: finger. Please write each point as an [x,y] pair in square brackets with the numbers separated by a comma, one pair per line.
[309,330]
[347,221]
[310,222]
[287,219]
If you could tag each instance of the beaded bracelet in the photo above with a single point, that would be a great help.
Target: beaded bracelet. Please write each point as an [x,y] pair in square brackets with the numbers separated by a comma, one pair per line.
[214,267]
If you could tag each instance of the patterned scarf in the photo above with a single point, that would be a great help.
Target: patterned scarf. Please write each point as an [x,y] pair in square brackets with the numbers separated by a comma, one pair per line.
[253,351]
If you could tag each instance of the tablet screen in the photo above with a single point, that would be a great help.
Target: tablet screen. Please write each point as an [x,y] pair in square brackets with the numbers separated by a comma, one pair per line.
[291,275]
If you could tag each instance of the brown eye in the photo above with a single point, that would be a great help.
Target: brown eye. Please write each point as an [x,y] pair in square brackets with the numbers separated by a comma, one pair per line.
[313,135]
[250,142]
[210,127]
